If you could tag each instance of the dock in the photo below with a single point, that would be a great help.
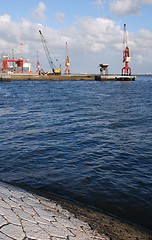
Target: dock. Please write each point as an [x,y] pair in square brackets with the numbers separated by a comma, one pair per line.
[71,77]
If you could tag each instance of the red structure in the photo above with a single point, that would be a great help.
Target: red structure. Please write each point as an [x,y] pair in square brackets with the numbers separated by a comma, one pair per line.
[38,67]
[67,61]
[126,70]
[18,62]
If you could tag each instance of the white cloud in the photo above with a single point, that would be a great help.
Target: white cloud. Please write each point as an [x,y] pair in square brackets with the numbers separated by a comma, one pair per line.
[99,3]
[140,45]
[146,1]
[60,17]
[145,33]
[39,12]
[97,34]
[144,41]
[139,59]
[127,7]
[4,19]
[12,37]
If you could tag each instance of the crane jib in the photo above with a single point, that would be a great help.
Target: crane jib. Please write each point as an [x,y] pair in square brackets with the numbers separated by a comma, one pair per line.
[56,71]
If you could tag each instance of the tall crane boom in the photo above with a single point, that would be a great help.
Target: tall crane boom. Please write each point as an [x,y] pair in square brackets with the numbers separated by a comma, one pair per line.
[125,40]
[53,68]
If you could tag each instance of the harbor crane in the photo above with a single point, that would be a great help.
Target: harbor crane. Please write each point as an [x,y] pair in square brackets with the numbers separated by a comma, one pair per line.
[39,70]
[55,71]
[67,61]
[38,63]
[126,70]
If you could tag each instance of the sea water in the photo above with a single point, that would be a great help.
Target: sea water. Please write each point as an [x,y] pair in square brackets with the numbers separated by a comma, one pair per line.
[87,141]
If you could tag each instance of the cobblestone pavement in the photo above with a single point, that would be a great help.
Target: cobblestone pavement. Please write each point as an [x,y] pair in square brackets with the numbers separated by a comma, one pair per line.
[25,216]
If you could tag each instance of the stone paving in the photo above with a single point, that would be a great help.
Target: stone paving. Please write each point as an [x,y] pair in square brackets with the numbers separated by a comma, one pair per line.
[25,216]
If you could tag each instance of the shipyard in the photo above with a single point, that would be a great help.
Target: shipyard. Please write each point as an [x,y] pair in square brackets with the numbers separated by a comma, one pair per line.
[13,68]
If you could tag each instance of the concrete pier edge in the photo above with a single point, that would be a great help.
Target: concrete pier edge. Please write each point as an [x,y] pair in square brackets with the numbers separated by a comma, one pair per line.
[71,77]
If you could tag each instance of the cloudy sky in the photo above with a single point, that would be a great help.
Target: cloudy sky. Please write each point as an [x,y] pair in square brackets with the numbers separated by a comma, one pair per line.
[92,28]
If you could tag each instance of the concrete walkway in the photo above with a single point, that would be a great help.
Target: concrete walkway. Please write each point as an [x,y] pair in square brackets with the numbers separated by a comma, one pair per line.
[25,216]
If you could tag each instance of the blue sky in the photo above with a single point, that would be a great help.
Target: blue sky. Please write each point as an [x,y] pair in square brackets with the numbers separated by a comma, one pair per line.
[92,28]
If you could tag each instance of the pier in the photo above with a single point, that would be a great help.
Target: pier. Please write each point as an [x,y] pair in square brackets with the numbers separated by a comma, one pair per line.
[71,77]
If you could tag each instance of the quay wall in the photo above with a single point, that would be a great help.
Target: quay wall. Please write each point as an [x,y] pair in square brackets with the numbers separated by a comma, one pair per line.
[53,77]
[91,77]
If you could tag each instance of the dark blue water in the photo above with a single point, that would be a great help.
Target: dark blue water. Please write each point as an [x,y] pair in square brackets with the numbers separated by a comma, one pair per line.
[87,141]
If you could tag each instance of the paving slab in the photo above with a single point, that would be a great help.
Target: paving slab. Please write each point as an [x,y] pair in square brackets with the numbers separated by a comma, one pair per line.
[26,216]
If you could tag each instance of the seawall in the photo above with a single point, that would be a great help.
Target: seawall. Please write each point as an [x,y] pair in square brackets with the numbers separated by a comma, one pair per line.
[26,215]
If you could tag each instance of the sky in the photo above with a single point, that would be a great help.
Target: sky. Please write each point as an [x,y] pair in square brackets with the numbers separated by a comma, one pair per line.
[93,30]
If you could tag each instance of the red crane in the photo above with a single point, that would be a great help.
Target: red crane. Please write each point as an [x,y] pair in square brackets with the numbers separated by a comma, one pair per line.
[126,70]
[38,64]
[67,61]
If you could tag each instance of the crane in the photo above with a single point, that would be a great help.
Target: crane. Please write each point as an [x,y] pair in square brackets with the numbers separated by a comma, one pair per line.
[56,71]
[39,70]
[126,70]
[38,64]
[67,61]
